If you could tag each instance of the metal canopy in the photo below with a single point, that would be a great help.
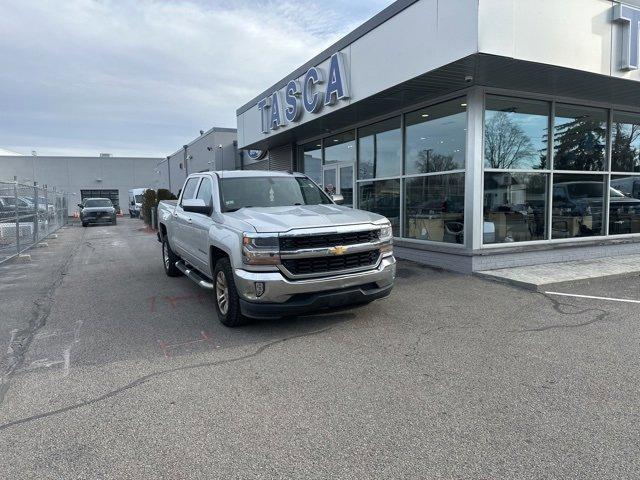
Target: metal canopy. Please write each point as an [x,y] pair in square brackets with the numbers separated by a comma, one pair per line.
[474,70]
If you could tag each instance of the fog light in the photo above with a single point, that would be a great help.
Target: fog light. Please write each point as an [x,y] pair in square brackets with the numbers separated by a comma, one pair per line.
[259,289]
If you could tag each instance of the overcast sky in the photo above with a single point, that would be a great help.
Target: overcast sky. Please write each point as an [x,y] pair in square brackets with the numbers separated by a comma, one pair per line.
[142,77]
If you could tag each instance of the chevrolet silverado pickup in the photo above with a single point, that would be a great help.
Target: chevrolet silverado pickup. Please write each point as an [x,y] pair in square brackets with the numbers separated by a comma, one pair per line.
[273,244]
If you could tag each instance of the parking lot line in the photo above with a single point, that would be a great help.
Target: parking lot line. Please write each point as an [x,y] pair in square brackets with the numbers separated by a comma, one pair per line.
[624,300]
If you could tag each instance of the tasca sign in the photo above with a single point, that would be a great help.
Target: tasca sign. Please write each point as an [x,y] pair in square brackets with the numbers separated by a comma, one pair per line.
[629,18]
[310,95]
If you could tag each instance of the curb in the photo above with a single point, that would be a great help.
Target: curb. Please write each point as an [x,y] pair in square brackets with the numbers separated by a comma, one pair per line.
[541,287]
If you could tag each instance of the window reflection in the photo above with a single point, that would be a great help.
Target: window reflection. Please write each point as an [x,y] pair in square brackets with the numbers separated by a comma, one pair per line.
[435,208]
[380,150]
[516,133]
[310,160]
[515,206]
[577,205]
[625,142]
[579,138]
[624,205]
[340,148]
[382,197]
[435,138]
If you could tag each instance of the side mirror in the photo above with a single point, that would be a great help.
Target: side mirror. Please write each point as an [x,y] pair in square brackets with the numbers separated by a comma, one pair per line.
[196,205]
[132,203]
[337,199]
[80,205]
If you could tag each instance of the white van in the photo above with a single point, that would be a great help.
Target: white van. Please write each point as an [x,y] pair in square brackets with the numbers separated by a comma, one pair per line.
[135,201]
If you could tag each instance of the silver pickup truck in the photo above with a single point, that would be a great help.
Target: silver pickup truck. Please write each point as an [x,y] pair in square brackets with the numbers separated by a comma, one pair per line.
[273,244]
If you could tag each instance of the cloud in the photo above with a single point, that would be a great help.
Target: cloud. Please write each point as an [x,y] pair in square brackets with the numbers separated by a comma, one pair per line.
[143,76]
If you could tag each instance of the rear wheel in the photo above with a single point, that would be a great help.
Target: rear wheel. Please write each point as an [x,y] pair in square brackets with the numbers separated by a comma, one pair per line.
[169,260]
[84,224]
[226,294]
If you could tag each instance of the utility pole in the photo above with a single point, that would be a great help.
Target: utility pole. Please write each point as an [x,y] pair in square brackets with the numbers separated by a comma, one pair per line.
[186,167]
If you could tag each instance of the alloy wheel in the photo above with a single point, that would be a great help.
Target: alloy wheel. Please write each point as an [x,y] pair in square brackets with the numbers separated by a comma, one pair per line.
[222,293]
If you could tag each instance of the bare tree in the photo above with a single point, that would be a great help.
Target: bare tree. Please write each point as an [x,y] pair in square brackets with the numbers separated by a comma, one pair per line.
[434,162]
[506,145]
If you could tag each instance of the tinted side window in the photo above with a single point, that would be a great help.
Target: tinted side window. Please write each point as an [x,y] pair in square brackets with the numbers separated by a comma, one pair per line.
[189,189]
[204,192]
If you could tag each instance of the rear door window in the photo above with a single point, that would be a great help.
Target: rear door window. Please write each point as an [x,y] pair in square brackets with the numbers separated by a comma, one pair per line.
[189,189]
[204,192]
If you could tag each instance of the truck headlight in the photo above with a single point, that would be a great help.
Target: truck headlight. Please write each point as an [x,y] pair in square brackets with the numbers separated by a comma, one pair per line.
[258,249]
[386,239]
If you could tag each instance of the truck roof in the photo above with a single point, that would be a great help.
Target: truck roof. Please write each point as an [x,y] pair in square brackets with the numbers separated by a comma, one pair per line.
[252,173]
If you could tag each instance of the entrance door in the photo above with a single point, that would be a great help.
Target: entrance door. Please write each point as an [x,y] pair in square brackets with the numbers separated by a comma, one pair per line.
[338,179]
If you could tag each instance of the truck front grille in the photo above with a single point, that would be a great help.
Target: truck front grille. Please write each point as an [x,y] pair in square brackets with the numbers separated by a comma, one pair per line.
[328,240]
[320,265]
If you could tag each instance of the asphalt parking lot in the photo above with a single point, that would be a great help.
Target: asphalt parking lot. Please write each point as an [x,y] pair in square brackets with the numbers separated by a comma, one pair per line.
[113,371]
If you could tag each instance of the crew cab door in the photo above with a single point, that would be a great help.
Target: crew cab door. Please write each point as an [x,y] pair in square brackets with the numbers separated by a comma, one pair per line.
[201,224]
[182,221]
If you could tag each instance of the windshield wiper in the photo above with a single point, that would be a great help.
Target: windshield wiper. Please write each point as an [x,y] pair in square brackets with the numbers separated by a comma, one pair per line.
[230,210]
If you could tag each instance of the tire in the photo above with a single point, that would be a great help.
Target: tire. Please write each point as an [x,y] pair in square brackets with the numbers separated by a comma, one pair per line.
[169,260]
[84,224]
[226,296]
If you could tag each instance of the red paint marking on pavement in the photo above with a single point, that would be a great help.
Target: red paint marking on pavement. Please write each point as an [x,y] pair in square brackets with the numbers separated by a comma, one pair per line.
[173,301]
[152,303]
[163,347]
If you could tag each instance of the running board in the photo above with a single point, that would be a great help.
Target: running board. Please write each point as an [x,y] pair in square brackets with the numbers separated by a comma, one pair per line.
[194,275]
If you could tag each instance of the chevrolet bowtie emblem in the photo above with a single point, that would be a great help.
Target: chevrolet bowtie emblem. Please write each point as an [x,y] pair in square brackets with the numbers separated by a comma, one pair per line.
[338,250]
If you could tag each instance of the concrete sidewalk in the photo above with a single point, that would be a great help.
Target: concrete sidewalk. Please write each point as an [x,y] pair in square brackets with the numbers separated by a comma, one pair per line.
[539,277]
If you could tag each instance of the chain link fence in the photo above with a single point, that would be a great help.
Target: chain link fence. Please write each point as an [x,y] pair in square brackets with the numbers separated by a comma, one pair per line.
[28,214]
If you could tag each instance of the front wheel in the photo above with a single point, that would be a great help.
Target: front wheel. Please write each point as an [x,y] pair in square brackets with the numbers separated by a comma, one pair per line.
[226,294]
[169,260]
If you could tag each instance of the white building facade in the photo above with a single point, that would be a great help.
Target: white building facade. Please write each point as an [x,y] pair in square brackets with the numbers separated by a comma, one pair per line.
[491,133]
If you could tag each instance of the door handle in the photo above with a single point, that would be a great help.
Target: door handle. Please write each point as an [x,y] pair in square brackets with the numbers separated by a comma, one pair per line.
[189,220]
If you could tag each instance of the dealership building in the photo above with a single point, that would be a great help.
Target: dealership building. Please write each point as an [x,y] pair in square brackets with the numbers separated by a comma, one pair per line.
[491,133]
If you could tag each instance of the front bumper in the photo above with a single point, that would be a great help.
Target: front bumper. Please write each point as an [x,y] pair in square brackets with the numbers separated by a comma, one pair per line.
[101,219]
[291,297]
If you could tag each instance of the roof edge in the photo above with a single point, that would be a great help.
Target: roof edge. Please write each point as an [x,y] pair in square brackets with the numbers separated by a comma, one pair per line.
[211,130]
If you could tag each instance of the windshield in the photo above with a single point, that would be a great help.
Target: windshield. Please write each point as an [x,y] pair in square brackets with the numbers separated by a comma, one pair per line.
[138,198]
[244,192]
[100,202]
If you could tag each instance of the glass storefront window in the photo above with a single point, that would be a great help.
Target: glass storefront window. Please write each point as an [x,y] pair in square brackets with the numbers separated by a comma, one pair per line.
[380,150]
[515,133]
[624,204]
[580,138]
[310,160]
[434,208]
[382,197]
[340,148]
[577,206]
[435,138]
[515,206]
[625,142]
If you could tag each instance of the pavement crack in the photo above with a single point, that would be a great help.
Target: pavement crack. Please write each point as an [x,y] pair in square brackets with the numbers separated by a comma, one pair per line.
[560,308]
[146,378]
[21,338]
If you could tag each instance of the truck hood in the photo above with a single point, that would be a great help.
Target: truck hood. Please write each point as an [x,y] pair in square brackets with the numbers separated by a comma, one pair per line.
[283,219]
